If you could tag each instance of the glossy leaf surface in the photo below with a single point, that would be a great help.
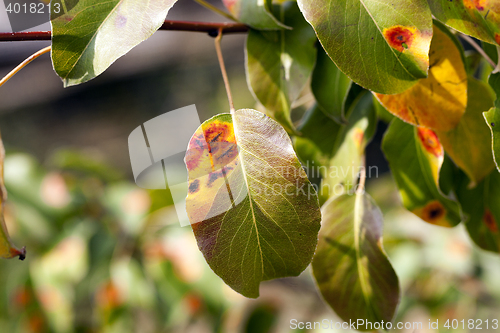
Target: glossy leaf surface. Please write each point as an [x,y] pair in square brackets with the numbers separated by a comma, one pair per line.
[478,18]
[254,13]
[94,33]
[253,211]
[7,249]
[415,157]
[381,45]
[350,266]
[439,101]
[279,63]
[330,87]
[469,144]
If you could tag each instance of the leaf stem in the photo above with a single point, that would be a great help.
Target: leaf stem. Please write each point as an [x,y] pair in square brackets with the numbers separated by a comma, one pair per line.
[216,10]
[478,49]
[23,64]
[224,72]
[362,178]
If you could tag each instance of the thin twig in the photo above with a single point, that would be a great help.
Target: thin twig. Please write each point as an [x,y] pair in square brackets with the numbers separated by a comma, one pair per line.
[216,10]
[23,64]
[223,70]
[478,49]
[205,27]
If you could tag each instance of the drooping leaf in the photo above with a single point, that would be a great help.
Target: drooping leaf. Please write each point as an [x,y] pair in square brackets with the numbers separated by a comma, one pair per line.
[381,45]
[347,158]
[330,87]
[439,101]
[492,118]
[255,13]
[481,207]
[253,211]
[7,249]
[350,266]
[478,18]
[87,39]
[415,157]
[279,63]
[469,144]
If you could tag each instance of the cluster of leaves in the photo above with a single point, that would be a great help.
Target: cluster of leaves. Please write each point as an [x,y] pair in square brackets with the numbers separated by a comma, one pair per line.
[255,214]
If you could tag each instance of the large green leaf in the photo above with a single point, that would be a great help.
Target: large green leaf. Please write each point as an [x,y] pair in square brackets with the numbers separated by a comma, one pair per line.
[330,87]
[478,18]
[255,13]
[279,63]
[350,266]
[253,211]
[439,101]
[94,33]
[415,157]
[481,206]
[493,119]
[469,144]
[381,45]
[7,249]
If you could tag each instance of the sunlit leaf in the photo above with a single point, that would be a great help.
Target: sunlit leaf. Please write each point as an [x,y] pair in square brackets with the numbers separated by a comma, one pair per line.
[439,101]
[253,211]
[350,266]
[279,63]
[481,207]
[469,144]
[493,119]
[7,249]
[330,87]
[94,33]
[478,18]
[255,13]
[415,157]
[347,158]
[381,45]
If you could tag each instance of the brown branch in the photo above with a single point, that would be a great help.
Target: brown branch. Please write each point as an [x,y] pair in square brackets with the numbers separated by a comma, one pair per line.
[206,27]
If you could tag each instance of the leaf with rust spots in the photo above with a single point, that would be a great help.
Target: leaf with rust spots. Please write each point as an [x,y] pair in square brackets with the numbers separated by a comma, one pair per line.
[254,13]
[481,207]
[350,266]
[7,249]
[469,144]
[477,18]
[439,101]
[381,45]
[94,33]
[254,213]
[279,64]
[492,118]
[415,157]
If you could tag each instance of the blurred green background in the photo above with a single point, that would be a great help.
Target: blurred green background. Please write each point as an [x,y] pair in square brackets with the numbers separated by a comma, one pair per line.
[107,256]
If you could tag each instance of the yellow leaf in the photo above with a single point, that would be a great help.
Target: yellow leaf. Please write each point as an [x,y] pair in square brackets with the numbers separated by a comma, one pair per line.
[438,101]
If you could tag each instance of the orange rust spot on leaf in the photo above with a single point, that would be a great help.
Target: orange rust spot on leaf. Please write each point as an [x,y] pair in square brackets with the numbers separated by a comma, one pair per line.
[490,222]
[497,38]
[430,141]
[433,212]
[469,4]
[399,37]
[358,136]
[480,4]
